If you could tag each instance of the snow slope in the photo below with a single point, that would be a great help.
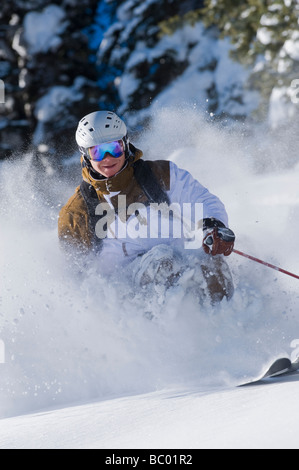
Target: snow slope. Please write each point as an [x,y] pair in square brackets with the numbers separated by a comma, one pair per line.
[85,367]
[253,418]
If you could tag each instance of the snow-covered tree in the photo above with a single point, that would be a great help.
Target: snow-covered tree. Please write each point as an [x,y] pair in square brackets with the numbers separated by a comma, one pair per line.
[130,48]
[62,59]
[149,61]
[265,36]
[48,71]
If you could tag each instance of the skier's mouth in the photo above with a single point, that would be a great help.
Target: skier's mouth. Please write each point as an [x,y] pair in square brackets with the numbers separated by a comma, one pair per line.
[112,165]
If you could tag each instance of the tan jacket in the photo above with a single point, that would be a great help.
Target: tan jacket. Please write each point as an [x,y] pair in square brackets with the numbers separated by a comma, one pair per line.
[73,222]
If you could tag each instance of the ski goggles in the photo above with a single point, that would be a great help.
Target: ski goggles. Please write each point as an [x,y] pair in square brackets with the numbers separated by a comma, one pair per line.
[98,152]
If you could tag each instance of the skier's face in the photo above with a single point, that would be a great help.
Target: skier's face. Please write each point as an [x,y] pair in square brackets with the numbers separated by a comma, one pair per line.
[109,166]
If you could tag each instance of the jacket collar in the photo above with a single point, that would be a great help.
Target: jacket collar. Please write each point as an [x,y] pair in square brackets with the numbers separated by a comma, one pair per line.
[117,183]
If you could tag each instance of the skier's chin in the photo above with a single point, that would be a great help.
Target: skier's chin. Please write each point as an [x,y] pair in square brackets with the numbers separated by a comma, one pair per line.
[110,170]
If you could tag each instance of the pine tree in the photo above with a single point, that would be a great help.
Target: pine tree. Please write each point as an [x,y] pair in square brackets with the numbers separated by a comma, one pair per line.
[31,73]
[264,34]
[137,25]
[143,59]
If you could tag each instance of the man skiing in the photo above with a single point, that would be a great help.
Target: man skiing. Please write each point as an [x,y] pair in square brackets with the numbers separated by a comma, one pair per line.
[144,215]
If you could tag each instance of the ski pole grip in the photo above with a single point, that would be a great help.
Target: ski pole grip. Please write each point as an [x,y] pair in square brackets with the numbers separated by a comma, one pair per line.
[209,240]
[226,234]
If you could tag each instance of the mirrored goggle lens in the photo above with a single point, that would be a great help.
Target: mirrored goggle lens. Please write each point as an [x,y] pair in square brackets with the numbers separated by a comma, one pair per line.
[98,152]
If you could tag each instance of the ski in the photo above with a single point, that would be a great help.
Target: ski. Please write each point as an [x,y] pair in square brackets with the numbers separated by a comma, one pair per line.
[280,367]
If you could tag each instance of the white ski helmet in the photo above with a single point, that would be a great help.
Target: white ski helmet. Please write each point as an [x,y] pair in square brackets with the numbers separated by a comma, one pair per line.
[100,127]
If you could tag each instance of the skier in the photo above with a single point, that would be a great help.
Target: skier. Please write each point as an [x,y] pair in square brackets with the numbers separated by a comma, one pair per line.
[144,215]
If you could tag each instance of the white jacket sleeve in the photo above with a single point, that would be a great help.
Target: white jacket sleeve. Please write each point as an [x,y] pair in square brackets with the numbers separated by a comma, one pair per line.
[185,189]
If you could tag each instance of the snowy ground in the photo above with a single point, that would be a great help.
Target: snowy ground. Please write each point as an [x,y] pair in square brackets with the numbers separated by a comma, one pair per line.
[256,417]
[84,367]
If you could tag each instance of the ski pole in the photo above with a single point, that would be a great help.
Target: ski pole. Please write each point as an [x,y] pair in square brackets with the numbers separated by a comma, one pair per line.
[265,264]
